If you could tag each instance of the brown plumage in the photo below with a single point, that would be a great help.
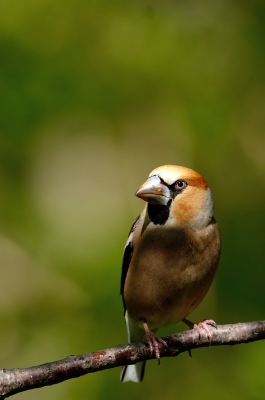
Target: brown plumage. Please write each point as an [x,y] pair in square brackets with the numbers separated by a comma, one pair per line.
[170,258]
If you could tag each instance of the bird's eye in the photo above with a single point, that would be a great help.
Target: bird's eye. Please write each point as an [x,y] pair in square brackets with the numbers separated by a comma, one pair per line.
[181,184]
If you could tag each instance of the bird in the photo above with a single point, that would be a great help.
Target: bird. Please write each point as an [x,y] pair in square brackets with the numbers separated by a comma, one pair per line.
[170,258]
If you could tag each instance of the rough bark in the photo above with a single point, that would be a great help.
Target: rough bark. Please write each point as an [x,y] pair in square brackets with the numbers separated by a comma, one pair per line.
[20,379]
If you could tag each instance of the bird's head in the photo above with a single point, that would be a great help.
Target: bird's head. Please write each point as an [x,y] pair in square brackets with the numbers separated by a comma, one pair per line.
[177,196]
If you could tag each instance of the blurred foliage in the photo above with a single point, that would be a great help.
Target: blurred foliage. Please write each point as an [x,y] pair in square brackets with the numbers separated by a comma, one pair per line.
[94,95]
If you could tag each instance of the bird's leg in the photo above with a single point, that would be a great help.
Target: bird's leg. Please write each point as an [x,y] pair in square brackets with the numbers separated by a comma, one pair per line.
[153,341]
[203,325]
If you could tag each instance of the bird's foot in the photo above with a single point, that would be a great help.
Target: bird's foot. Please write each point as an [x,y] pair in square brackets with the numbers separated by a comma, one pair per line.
[154,341]
[202,324]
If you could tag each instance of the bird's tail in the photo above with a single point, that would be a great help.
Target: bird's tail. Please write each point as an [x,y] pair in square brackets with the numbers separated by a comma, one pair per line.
[133,373]
[136,333]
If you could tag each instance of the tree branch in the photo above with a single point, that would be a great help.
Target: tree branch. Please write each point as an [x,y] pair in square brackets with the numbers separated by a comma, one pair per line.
[20,379]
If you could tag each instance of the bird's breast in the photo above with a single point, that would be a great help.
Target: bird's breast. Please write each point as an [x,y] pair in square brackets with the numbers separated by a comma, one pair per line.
[170,272]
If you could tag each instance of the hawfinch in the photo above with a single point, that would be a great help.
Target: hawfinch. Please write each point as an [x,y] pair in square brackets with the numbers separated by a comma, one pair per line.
[170,257]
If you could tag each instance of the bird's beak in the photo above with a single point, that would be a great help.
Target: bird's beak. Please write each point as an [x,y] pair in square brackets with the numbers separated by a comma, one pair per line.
[154,191]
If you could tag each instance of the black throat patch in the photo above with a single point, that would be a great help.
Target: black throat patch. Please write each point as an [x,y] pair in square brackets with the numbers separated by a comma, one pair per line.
[158,214]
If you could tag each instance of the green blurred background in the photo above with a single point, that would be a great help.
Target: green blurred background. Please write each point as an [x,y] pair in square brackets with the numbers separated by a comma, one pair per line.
[94,95]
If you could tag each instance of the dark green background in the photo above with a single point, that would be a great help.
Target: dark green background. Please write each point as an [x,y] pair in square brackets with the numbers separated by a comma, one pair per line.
[94,95]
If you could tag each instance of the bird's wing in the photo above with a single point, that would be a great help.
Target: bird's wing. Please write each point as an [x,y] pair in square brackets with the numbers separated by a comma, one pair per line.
[127,256]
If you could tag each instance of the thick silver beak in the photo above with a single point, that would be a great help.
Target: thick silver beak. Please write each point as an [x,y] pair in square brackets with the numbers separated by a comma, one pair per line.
[154,191]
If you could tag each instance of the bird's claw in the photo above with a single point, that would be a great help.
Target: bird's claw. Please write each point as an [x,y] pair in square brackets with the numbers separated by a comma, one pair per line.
[203,325]
[153,342]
